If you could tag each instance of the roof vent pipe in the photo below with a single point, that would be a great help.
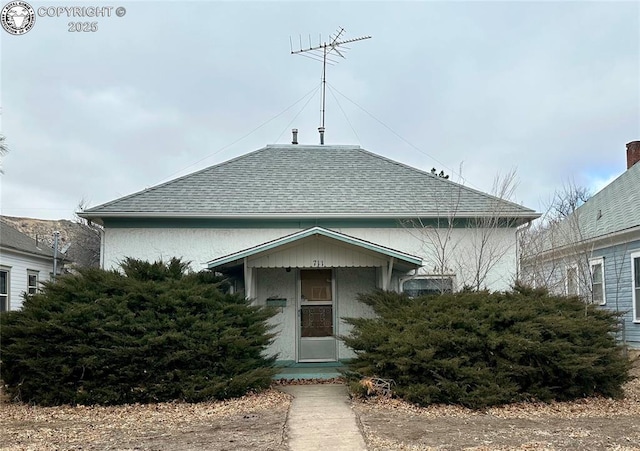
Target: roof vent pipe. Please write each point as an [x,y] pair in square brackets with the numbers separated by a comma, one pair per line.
[294,132]
[321,130]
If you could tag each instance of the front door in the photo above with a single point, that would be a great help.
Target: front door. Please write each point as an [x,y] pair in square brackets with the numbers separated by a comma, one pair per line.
[316,339]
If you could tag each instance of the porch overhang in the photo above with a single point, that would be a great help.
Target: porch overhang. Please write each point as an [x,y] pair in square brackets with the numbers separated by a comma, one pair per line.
[396,258]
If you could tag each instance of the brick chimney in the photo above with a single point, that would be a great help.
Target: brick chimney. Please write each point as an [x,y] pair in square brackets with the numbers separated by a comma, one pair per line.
[633,153]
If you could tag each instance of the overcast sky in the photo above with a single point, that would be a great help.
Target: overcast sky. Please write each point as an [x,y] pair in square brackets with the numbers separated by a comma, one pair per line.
[550,89]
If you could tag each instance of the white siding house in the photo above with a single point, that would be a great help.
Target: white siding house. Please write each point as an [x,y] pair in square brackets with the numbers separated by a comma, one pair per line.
[24,264]
[306,228]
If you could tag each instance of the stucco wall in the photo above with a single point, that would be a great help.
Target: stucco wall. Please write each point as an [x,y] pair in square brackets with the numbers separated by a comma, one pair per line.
[349,283]
[278,283]
[199,245]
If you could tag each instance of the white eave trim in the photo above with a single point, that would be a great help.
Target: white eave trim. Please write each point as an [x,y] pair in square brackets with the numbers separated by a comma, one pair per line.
[408,215]
[12,250]
[599,242]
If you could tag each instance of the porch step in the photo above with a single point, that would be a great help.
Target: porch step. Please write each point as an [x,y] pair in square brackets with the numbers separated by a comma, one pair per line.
[310,371]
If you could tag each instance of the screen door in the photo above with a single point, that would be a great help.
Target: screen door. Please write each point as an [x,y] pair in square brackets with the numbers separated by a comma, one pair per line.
[316,340]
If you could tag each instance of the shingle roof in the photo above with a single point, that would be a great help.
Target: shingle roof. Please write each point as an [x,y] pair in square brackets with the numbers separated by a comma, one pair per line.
[305,181]
[13,239]
[614,208]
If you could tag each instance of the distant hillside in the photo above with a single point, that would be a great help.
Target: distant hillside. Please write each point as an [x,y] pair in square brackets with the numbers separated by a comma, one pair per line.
[42,230]
[79,242]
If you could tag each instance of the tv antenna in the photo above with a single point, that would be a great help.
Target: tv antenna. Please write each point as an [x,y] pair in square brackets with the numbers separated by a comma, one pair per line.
[325,52]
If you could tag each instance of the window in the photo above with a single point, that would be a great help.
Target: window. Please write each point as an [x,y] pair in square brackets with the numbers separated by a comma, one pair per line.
[32,282]
[597,281]
[572,281]
[635,285]
[4,290]
[421,286]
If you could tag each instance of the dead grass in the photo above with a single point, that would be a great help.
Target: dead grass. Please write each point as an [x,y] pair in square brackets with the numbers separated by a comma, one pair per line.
[253,422]
[256,423]
[594,423]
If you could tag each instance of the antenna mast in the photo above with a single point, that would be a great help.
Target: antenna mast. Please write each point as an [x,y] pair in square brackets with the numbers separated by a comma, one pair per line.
[323,52]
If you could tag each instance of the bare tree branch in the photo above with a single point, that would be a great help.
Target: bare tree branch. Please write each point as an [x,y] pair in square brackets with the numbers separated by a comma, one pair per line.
[473,254]
[85,248]
[485,246]
[556,242]
[4,150]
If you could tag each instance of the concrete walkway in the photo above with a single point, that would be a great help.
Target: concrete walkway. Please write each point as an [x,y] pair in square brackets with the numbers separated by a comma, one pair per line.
[320,419]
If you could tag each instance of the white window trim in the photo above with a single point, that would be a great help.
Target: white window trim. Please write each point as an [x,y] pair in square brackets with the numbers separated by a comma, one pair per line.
[634,301]
[592,263]
[566,282]
[8,293]
[537,280]
[32,272]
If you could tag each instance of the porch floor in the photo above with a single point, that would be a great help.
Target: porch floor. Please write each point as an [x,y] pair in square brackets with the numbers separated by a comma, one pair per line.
[320,370]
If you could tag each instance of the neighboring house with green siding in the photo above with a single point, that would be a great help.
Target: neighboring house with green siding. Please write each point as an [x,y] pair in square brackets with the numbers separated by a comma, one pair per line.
[595,252]
[305,228]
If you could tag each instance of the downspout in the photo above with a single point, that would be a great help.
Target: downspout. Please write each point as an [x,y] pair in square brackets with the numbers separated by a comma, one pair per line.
[250,286]
[389,272]
[55,255]
[405,279]
[412,276]
[248,291]
[526,227]
[102,247]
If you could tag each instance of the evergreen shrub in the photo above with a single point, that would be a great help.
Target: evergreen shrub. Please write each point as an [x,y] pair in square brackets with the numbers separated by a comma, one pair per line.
[479,349]
[155,333]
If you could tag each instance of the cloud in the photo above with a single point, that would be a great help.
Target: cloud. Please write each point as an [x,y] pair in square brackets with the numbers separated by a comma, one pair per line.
[550,88]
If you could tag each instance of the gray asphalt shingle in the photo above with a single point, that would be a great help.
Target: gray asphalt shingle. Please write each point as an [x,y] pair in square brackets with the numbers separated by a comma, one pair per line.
[11,238]
[289,180]
[614,208]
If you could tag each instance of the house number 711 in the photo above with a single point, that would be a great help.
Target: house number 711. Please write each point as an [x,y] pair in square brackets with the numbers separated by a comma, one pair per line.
[318,263]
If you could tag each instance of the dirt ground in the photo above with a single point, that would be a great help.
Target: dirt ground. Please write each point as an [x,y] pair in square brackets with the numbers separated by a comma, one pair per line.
[257,423]
[600,425]
[254,422]
[590,424]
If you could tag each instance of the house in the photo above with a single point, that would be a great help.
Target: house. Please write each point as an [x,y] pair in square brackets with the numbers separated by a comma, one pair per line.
[305,228]
[24,264]
[595,252]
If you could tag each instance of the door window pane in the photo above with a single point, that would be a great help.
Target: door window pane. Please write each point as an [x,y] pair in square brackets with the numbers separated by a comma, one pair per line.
[316,285]
[316,320]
